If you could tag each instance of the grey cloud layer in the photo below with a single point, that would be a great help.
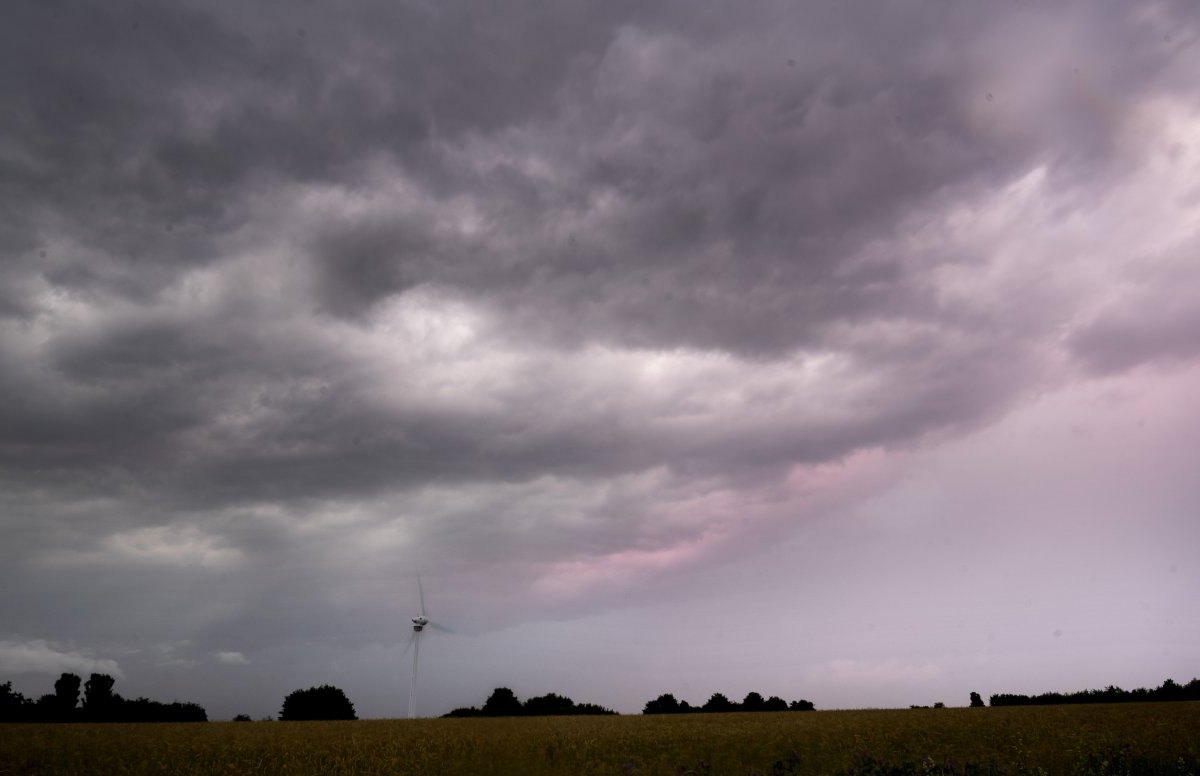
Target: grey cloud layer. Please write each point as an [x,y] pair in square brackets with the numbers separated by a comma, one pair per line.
[270,269]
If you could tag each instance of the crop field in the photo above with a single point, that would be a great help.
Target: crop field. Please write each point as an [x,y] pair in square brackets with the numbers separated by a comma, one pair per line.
[1153,738]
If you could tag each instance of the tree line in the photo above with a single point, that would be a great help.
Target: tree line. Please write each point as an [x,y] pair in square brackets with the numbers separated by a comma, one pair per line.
[98,704]
[1169,691]
[503,702]
[718,703]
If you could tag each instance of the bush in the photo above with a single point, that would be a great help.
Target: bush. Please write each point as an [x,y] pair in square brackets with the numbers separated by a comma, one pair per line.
[663,704]
[503,702]
[324,702]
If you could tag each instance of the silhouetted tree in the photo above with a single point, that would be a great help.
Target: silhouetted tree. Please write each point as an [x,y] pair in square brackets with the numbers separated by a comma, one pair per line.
[1169,691]
[66,691]
[66,696]
[502,702]
[242,718]
[146,710]
[663,704]
[667,704]
[100,704]
[465,711]
[45,709]
[775,703]
[99,700]
[976,701]
[549,705]
[753,702]
[718,703]
[324,702]
[14,707]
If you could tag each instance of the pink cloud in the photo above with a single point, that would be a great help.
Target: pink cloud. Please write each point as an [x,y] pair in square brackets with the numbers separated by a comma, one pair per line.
[720,523]
[566,579]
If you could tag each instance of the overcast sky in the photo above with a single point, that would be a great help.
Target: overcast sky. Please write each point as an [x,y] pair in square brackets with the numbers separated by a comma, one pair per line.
[846,351]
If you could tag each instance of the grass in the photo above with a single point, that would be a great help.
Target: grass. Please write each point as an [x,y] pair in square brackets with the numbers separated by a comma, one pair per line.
[1152,738]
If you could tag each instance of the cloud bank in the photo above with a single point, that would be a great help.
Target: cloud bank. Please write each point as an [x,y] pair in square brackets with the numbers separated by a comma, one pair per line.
[555,303]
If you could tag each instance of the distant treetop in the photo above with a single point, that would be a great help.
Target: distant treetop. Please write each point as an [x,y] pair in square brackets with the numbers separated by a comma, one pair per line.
[100,704]
[324,702]
[718,702]
[1169,691]
[503,702]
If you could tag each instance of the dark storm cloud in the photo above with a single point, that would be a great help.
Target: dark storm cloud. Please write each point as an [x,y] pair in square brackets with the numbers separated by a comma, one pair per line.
[99,96]
[699,180]
[704,192]
[288,289]
[143,129]
[738,184]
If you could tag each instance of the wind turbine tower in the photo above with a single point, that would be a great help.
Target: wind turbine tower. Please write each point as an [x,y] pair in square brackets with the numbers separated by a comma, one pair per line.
[419,623]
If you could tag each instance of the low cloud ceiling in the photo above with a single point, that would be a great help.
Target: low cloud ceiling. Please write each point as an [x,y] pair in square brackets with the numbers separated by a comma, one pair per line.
[563,304]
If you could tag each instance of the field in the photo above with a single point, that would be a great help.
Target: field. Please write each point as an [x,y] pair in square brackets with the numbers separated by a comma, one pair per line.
[1149,738]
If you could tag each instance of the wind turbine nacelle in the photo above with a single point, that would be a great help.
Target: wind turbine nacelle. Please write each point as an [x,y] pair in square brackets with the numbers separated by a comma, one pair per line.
[419,623]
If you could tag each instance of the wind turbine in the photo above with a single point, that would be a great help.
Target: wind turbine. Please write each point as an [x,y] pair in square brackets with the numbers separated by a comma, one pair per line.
[419,624]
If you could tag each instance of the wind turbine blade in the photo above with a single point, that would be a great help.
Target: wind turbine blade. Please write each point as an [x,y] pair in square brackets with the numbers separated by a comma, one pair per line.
[440,628]
[412,636]
[421,592]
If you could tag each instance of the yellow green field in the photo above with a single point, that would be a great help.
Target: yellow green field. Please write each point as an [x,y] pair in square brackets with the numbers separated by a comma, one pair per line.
[1102,739]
